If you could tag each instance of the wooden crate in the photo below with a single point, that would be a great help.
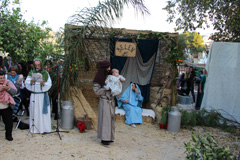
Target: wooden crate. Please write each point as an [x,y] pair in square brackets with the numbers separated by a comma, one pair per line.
[87,121]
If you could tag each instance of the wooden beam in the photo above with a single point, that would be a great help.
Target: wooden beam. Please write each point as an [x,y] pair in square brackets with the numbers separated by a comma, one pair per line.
[82,107]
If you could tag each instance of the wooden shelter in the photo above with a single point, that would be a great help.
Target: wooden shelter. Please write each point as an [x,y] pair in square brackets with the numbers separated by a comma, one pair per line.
[98,49]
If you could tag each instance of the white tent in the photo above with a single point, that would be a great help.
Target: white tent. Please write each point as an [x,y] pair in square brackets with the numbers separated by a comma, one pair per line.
[222,88]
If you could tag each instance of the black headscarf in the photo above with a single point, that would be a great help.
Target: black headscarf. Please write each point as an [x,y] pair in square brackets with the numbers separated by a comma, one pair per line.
[102,73]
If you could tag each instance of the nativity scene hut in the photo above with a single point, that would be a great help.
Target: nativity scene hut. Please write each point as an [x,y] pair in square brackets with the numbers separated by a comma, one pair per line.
[153,66]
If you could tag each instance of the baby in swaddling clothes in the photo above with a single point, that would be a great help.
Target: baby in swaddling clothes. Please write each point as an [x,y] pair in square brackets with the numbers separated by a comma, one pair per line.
[114,82]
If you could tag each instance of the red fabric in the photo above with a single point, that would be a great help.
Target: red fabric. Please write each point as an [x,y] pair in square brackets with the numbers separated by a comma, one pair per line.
[81,126]
[5,97]
[163,126]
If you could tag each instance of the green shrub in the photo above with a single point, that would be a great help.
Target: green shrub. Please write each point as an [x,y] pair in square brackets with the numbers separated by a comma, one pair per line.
[206,118]
[206,148]
[164,114]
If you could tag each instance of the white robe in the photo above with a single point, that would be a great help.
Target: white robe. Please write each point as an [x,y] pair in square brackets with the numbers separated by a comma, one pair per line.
[115,84]
[38,122]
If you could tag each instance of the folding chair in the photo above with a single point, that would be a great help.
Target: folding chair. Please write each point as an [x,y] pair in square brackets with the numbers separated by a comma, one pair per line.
[20,118]
[1,124]
[16,110]
[16,106]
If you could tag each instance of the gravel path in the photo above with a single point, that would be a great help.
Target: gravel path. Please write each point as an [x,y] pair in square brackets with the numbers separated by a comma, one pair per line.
[146,141]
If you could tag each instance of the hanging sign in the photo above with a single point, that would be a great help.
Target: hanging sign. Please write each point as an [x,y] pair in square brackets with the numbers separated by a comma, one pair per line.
[125,49]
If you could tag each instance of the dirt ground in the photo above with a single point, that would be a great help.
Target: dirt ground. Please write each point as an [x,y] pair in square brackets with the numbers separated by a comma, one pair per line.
[146,141]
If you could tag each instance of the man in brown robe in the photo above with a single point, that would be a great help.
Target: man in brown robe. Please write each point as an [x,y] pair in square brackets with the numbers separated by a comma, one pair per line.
[106,108]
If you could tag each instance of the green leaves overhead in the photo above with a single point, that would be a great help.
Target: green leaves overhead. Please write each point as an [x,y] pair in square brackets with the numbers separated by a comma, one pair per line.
[95,24]
[105,13]
[192,14]
[192,41]
[22,40]
[95,21]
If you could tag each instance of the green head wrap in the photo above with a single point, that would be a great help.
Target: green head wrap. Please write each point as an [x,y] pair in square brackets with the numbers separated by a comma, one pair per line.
[43,72]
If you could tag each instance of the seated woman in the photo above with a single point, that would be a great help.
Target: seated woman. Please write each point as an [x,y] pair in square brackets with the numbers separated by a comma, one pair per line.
[131,101]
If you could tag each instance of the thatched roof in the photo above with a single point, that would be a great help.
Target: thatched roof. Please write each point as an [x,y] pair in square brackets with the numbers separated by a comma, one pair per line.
[119,32]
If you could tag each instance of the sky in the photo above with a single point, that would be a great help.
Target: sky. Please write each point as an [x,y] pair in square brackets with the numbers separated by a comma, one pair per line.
[57,12]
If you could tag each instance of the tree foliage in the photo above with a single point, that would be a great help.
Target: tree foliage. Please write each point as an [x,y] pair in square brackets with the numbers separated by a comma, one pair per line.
[223,15]
[22,40]
[191,41]
[106,12]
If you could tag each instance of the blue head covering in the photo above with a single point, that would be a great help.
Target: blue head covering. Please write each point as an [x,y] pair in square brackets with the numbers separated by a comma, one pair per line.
[127,95]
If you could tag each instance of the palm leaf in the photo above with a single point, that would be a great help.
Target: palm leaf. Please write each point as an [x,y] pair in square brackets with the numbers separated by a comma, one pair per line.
[95,22]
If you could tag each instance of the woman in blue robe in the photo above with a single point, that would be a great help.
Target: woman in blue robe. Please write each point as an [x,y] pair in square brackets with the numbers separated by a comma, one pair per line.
[131,101]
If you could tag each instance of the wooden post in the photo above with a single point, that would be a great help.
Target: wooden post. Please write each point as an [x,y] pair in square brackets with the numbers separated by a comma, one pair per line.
[174,94]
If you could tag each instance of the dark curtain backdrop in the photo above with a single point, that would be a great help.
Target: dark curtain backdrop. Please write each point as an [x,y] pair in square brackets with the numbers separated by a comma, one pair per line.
[147,49]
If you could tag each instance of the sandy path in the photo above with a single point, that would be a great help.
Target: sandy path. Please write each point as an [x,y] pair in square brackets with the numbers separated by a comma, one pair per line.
[146,141]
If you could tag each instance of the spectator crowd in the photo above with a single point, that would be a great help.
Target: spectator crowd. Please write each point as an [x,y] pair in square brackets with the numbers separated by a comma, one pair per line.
[17,94]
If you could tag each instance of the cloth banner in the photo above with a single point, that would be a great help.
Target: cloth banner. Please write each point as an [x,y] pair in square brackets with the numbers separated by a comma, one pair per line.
[137,69]
[222,87]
